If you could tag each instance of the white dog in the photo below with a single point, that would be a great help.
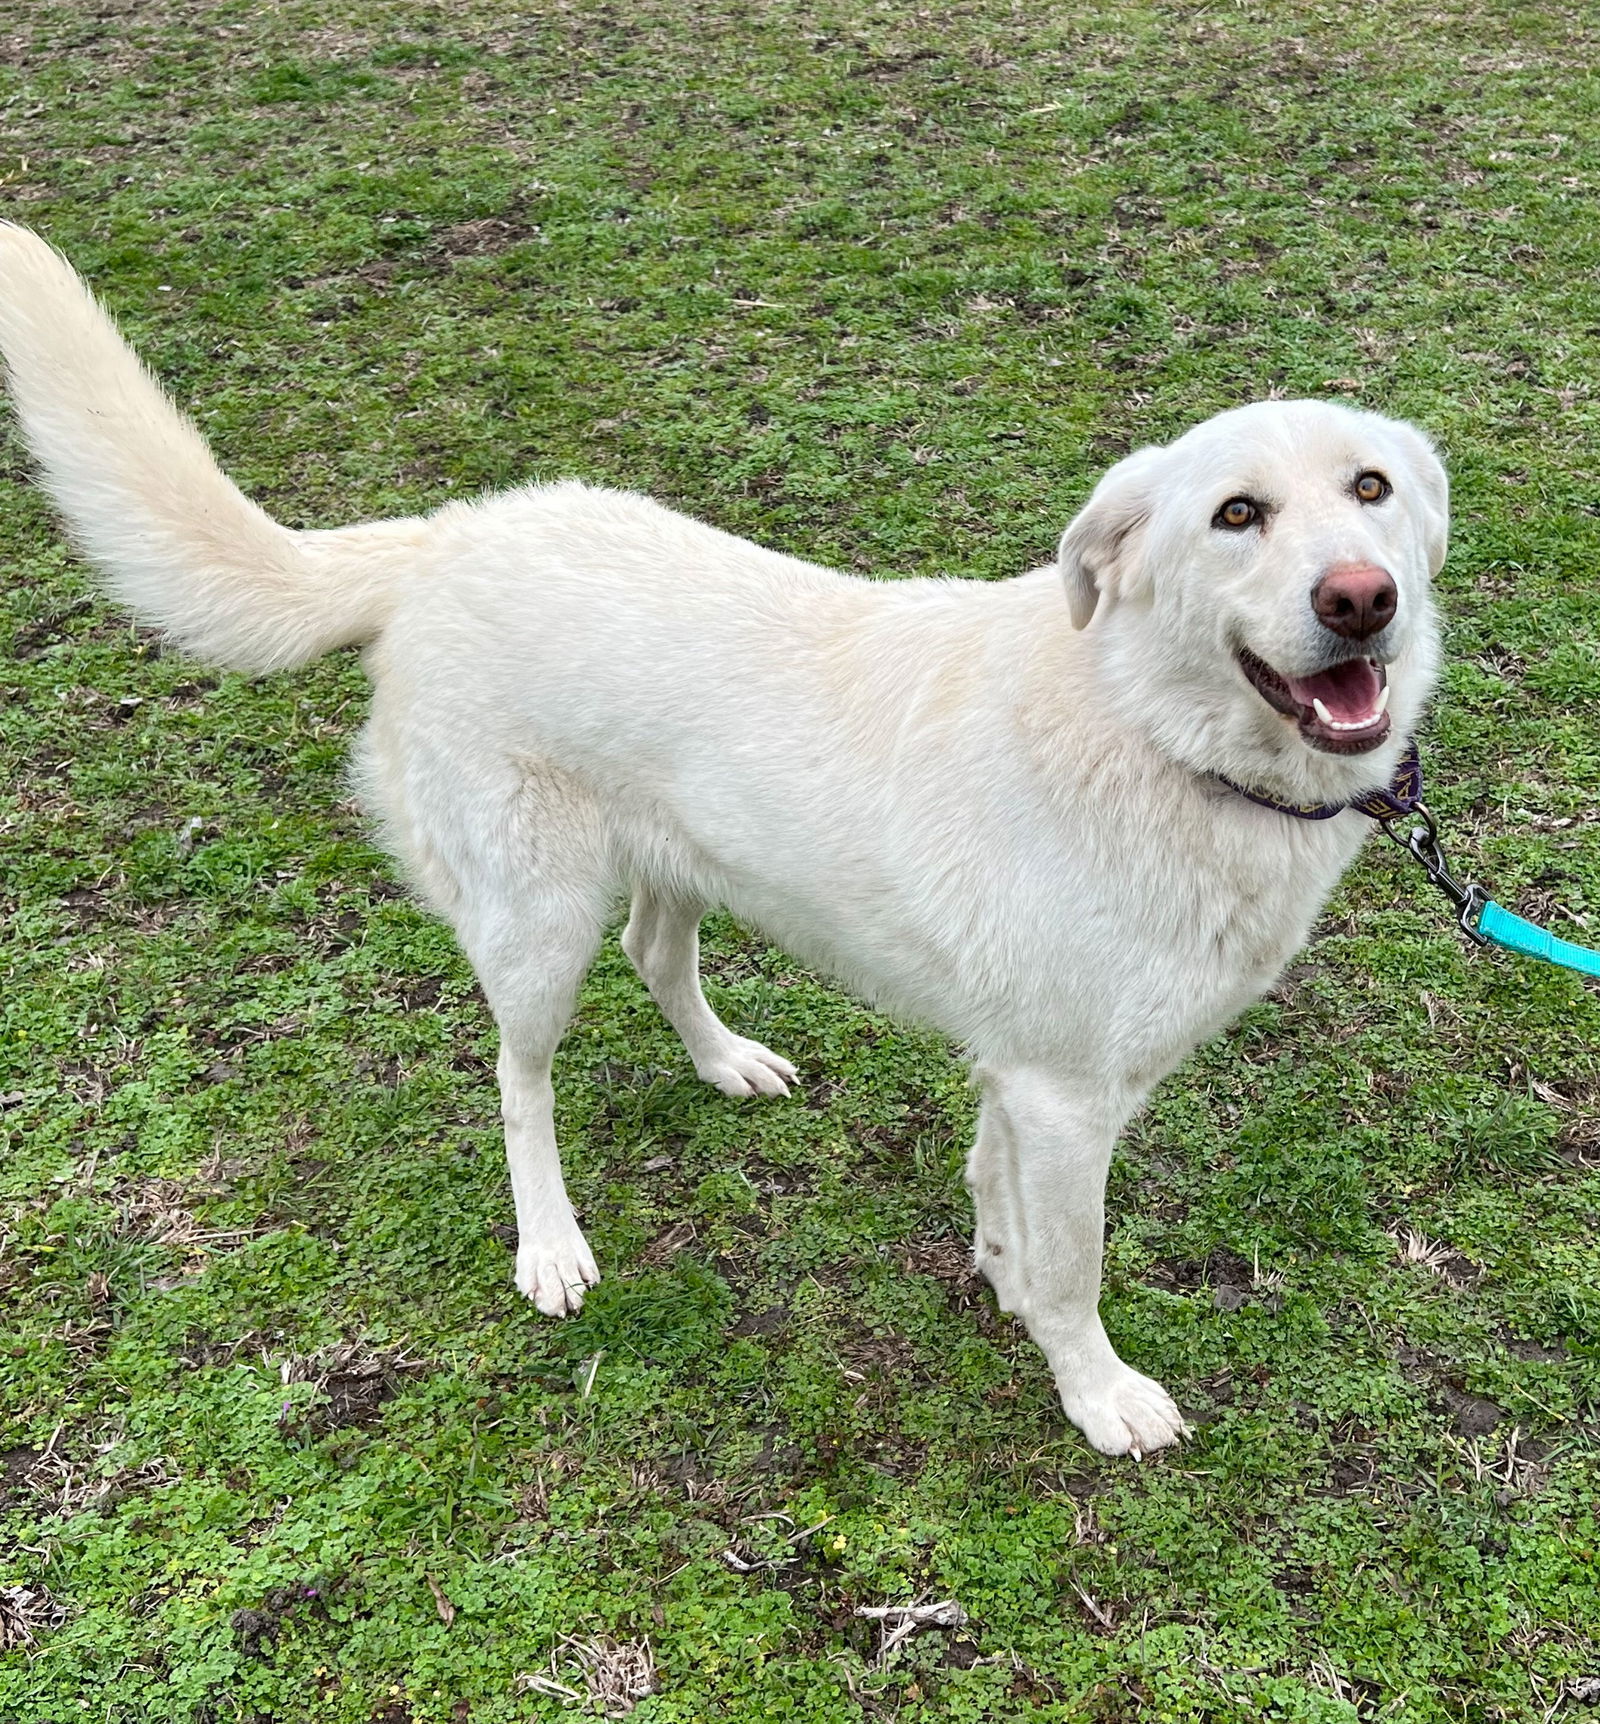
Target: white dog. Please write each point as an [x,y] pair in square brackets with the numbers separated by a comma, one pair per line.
[996,808]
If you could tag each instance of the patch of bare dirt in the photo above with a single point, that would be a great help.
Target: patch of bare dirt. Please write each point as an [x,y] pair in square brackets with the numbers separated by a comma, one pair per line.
[353,1382]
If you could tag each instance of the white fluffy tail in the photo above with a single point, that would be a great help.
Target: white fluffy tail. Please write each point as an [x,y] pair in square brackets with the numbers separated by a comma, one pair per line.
[173,537]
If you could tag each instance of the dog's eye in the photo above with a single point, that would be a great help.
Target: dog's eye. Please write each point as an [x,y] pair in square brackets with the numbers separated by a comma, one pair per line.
[1372,487]
[1237,514]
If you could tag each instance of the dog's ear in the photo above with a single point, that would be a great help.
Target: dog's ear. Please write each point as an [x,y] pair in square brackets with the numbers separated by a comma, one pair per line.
[1100,552]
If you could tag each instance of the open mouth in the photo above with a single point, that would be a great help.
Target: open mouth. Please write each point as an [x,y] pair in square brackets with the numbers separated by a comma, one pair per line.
[1341,710]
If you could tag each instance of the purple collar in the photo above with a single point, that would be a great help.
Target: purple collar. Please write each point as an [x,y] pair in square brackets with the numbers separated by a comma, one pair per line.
[1403,797]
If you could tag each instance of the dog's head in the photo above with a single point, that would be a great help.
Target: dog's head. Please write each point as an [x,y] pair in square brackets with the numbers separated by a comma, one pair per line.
[1261,589]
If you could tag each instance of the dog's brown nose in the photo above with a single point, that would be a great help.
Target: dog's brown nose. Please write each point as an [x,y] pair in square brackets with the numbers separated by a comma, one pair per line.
[1355,600]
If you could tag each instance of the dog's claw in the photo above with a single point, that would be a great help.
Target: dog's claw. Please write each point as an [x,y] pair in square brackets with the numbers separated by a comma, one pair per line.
[1125,1414]
[555,1273]
[744,1068]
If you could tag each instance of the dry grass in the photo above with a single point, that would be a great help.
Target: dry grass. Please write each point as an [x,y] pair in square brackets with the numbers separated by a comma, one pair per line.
[615,1675]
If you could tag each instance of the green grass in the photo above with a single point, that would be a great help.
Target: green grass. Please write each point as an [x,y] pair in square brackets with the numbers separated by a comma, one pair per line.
[885,287]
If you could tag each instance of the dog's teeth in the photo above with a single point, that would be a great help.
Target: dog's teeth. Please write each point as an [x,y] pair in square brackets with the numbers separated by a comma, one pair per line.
[1355,723]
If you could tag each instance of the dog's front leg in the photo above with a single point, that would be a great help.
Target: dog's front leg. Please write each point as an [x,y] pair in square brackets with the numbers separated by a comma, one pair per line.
[1037,1175]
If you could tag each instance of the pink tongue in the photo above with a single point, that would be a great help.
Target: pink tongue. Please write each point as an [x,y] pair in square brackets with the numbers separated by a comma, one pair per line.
[1349,691]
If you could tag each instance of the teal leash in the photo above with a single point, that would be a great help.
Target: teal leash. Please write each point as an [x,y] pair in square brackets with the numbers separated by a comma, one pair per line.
[1483,921]
[1516,934]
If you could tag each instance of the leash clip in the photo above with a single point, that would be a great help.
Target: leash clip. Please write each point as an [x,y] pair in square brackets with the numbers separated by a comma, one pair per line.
[1422,843]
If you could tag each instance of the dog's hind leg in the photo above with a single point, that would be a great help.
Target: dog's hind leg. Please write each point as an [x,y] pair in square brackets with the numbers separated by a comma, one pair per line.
[662,940]
[519,864]
[1037,1175]
[530,952]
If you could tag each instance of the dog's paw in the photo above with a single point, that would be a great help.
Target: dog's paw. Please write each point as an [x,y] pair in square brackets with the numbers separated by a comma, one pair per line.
[556,1271]
[741,1067]
[1124,1413]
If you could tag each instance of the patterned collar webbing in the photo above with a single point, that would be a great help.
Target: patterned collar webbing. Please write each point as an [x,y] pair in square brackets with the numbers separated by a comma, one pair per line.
[1403,796]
